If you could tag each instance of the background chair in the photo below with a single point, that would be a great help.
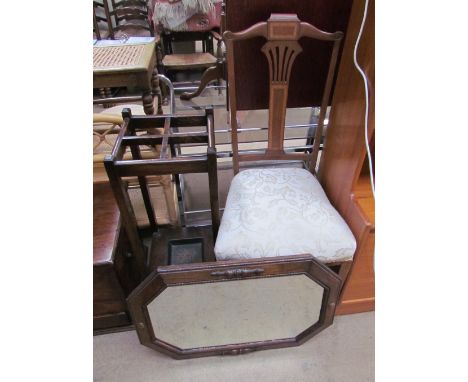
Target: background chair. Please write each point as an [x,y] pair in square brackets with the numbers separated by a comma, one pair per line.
[214,72]
[129,16]
[99,17]
[182,21]
[281,211]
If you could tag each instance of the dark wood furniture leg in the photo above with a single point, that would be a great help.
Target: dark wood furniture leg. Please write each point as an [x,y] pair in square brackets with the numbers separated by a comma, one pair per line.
[213,186]
[145,192]
[160,67]
[156,89]
[345,268]
[210,74]
[147,100]
[126,210]
[212,174]
[106,93]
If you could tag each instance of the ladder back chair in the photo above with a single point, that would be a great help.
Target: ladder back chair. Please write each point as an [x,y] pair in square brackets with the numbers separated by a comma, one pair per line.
[128,16]
[182,21]
[98,17]
[281,211]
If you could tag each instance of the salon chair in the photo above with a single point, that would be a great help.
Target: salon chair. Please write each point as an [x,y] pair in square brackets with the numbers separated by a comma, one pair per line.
[190,22]
[281,211]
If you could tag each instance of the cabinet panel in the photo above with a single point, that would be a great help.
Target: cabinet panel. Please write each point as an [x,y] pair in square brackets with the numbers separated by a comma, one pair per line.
[343,173]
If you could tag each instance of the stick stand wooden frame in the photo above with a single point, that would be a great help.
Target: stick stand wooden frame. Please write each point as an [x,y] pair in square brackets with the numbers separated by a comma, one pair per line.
[117,168]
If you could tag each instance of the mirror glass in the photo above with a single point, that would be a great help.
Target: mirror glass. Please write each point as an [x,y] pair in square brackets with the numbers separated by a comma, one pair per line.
[235,311]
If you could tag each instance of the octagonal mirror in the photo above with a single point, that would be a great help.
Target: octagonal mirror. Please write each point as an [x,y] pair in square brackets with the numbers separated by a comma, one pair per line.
[234,307]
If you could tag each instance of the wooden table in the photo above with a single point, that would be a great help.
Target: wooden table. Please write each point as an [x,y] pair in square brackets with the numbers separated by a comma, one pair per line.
[122,64]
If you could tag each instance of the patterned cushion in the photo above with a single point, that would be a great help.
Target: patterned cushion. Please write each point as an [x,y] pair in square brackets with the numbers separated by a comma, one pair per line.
[185,15]
[279,212]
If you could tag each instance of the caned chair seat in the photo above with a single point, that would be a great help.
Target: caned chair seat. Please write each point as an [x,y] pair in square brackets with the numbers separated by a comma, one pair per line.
[278,212]
[188,61]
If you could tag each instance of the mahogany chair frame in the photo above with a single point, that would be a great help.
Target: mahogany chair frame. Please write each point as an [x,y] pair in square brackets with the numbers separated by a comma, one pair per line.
[206,37]
[117,168]
[282,32]
[217,72]
[165,48]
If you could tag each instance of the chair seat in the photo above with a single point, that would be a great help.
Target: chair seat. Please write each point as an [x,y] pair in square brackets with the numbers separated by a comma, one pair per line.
[278,212]
[189,60]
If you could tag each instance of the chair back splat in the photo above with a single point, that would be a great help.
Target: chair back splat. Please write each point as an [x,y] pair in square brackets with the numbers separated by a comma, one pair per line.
[282,32]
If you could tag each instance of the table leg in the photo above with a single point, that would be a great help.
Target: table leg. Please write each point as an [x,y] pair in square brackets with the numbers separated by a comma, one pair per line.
[147,99]
[106,93]
[160,67]
[156,89]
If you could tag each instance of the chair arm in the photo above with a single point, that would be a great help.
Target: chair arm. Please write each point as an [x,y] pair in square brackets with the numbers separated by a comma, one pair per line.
[107,118]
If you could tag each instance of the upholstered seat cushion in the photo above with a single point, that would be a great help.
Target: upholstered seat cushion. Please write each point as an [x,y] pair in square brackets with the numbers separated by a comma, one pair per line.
[185,15]
[279,212]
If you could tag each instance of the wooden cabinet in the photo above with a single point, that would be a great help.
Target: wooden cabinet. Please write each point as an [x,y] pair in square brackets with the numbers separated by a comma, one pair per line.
[112,272]
[359,293]
[343,172]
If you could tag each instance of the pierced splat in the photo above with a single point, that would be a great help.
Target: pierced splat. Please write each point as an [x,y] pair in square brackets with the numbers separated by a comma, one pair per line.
[282,32]
[280,56]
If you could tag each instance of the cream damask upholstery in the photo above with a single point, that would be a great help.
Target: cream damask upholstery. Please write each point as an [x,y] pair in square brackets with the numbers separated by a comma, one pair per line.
[278,212]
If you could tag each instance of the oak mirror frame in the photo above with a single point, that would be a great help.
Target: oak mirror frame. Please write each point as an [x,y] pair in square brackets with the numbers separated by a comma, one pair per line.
[234,307]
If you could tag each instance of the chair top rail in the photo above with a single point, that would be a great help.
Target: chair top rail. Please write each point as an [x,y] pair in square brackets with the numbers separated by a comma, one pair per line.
[282,32]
